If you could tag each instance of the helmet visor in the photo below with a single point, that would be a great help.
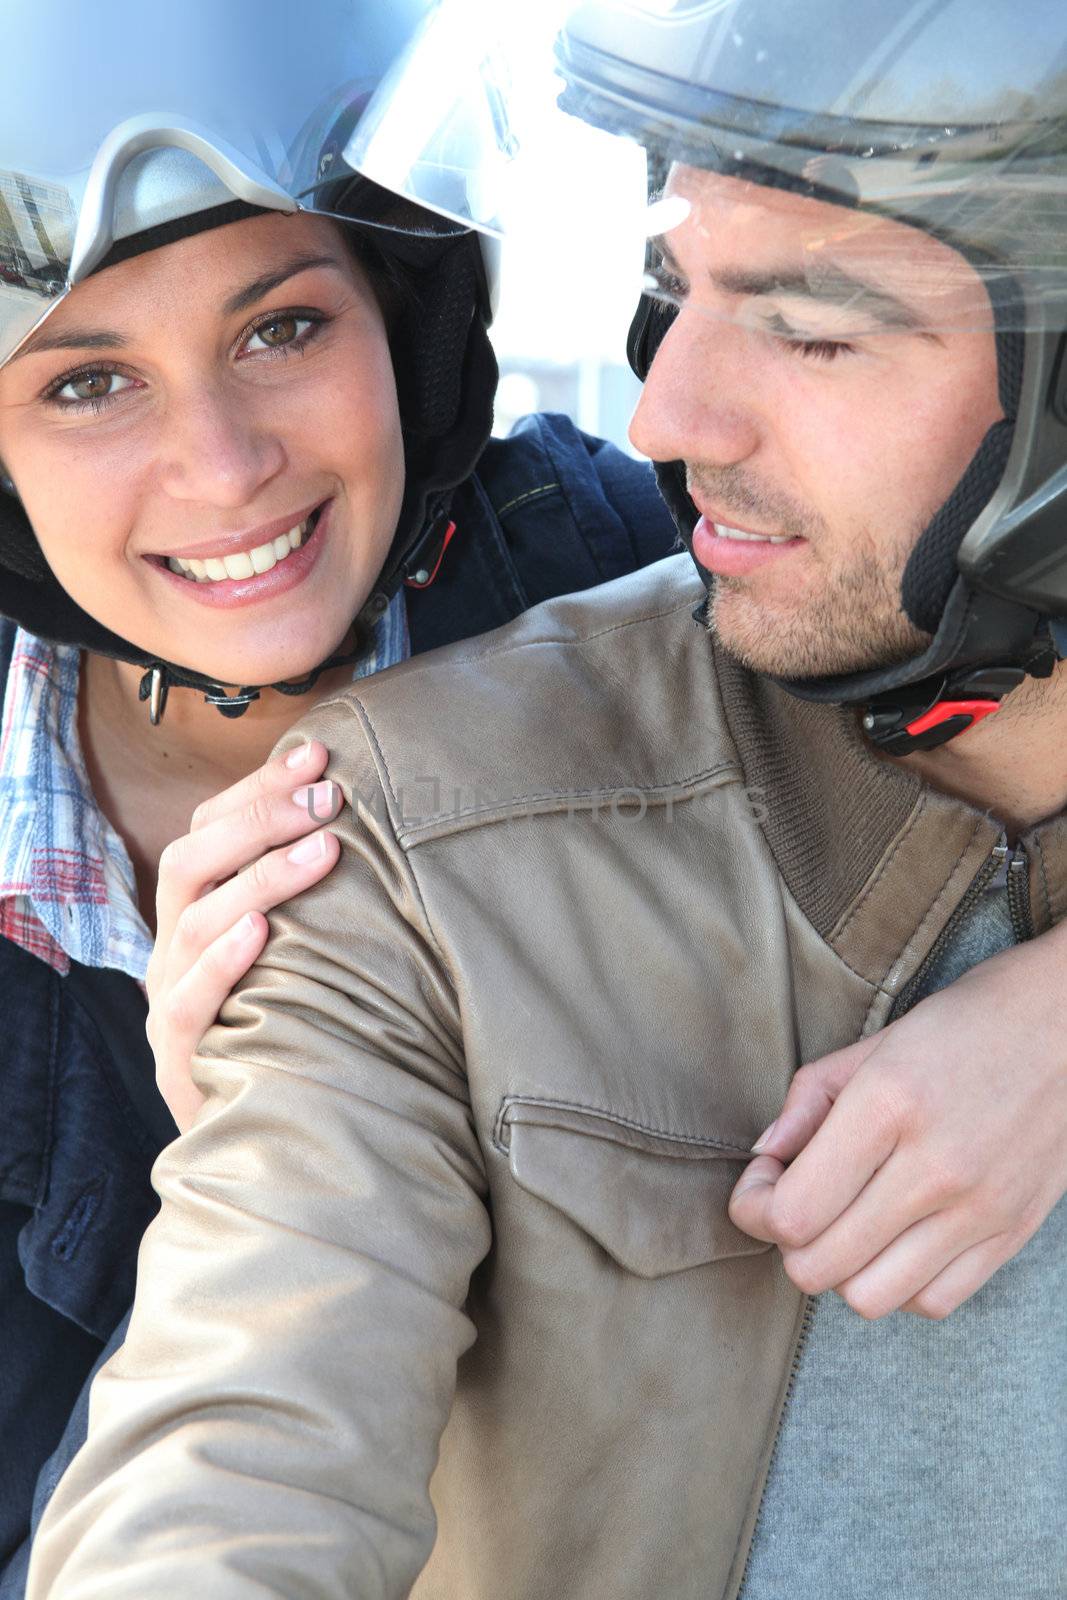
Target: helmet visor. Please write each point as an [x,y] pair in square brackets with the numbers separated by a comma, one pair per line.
[822,193]
[115,122]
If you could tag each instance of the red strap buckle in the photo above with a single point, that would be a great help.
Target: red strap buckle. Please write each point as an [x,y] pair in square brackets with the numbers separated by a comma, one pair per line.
[423,578]
[946,709]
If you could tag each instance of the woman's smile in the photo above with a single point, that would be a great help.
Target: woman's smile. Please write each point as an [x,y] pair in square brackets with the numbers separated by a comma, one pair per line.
[248,573]
[209,434]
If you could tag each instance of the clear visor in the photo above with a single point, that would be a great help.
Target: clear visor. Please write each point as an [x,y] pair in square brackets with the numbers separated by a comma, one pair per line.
[112,127]
[584,121]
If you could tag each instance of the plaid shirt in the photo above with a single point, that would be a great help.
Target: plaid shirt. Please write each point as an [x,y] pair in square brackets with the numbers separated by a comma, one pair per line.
[67,886]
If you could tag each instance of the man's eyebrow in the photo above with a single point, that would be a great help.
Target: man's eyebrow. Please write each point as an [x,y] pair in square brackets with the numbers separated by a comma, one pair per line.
[103,339]
[829,284]
[272,280]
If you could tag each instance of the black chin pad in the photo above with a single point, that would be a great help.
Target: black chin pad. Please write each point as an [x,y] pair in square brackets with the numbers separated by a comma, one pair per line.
[931,570]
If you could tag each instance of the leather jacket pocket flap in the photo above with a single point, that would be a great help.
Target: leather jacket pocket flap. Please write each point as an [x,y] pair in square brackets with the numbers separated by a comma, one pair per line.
[656,1204]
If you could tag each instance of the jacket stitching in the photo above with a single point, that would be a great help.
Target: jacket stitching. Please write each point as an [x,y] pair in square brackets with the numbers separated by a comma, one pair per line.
[887,862]
[530,494]
[69,1236]
[1044,880]
[359,712]
[347,697]
[932,908]
[608,1116]
[678,793]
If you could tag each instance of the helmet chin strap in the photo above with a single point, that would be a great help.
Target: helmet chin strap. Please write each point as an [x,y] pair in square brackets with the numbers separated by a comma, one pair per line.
[983,649]
[161,677]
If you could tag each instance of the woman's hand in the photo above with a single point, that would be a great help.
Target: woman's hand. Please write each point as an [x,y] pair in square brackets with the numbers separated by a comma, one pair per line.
[249,849]
[906,1169]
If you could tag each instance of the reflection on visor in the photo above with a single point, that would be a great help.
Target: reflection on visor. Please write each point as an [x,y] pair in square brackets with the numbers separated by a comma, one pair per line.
[36,235]
[761,256]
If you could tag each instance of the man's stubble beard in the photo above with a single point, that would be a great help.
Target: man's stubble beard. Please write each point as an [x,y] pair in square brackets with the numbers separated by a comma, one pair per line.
[852,623]
[853,619]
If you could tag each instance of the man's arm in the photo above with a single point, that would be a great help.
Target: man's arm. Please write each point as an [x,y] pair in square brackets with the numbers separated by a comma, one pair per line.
[272,1422]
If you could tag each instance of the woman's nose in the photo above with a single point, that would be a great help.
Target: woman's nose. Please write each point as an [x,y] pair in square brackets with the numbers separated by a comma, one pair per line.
[697,403]
[218,450]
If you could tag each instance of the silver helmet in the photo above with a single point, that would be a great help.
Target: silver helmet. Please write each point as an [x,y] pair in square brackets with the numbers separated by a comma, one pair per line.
[125,126]
[949,116]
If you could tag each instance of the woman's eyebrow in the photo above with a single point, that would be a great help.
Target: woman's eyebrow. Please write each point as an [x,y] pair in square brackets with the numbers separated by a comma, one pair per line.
[272,280]
[73,339]
[105,339]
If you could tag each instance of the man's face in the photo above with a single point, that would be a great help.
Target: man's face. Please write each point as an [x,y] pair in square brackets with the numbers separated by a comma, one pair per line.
[833,420]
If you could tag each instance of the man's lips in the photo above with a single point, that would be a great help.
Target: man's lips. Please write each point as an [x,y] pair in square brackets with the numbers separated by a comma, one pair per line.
[732,552]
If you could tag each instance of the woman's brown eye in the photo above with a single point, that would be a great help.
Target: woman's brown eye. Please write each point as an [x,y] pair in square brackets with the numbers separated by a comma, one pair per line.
[93,386]
[281,330]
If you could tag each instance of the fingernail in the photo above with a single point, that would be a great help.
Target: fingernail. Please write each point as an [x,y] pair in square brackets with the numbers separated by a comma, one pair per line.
[313,848]
[765,1136]
[317,799]
[244,929]
[300,756]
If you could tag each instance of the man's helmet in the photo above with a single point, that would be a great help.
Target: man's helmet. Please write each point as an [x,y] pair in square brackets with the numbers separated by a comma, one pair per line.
[949,116]
[124,127]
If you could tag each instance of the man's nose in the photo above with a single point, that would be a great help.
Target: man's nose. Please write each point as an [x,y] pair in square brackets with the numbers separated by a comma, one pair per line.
[697,402]
[218,449]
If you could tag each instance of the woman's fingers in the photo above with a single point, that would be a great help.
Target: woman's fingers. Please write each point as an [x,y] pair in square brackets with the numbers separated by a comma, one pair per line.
[216,941]
[303,764]
[275,813]
[250,849]
[271,880]
[176,1027]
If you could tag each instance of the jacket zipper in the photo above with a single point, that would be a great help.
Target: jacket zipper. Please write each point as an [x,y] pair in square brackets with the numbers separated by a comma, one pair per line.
[913,990]
[1018,883]
[1022,919]
[806,1320]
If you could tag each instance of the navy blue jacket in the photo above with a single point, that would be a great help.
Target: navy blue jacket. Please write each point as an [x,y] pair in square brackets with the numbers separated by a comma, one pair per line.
[549,511]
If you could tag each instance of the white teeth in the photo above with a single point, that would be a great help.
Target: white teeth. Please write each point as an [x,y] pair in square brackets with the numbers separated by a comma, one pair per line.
[760,538]
[246,563]
[238,566]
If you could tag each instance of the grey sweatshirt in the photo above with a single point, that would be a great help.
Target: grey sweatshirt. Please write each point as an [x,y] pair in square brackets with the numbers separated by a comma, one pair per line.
[928,1460]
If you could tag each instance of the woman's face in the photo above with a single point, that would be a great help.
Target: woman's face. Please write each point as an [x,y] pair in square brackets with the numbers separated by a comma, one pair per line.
[226,402]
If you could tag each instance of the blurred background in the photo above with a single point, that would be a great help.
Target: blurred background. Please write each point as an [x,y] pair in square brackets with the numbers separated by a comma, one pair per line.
[571,269]
[562,346]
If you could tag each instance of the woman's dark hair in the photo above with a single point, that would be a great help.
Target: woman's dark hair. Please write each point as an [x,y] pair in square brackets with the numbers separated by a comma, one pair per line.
[392,280]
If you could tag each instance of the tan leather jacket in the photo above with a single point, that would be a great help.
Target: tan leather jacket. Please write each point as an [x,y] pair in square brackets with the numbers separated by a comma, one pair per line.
[479,1108]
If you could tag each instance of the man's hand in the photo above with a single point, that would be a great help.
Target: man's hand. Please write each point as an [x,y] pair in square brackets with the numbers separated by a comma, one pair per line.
[924,1157]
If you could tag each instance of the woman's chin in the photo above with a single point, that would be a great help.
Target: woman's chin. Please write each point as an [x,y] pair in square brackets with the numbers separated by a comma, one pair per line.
[288,666]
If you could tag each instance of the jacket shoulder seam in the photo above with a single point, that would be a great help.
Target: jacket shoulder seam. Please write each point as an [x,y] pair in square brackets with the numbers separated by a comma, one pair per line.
[872,883]
[359,712]
[549,801]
